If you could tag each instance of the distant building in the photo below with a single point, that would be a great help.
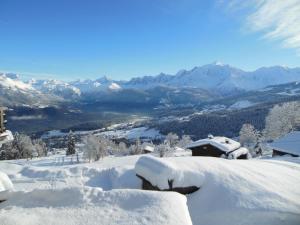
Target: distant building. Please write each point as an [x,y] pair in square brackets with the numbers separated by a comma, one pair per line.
[147,149]
[287,145]
[219,147]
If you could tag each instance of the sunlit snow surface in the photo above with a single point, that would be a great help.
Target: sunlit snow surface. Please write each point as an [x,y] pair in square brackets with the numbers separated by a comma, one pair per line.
[57,190]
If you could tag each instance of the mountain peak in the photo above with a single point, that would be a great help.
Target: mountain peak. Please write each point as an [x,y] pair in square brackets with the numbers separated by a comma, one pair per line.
[218,63]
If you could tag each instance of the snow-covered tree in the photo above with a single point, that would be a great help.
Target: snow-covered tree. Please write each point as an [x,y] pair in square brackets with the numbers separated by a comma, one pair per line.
[94,148]
[250,138]
[282,119]
[23,146]
[248,135]
[71,144]
[122,148]
[162,149]
[171,139]
[40,147]
[136,149]
[184,141]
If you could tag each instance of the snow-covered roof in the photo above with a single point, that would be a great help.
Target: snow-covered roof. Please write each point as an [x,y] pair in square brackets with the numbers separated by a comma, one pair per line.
[159,171]
[223,143]
[290,143]
[239,152]
[148,148]
[6,137]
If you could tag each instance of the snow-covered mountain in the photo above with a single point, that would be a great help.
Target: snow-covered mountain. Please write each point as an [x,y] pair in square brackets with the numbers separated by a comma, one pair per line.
[216,78]
[16,92]
[101,84]
[219,77]
[55,87]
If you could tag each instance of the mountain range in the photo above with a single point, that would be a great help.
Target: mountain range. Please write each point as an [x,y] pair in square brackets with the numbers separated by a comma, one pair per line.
[217,79]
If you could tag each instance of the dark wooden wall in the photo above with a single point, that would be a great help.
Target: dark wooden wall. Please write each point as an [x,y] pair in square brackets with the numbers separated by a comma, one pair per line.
[280,153]
[206,150]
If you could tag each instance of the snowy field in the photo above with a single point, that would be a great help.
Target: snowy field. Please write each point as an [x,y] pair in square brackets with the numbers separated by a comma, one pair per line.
[53,190]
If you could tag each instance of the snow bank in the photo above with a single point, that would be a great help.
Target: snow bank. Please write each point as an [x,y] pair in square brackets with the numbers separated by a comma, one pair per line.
[160,171]
[232,191]
[91,206]
[5,186]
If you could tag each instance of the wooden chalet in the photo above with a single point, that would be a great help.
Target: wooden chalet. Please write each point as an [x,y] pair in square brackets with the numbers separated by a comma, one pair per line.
[218,147]
[287,145]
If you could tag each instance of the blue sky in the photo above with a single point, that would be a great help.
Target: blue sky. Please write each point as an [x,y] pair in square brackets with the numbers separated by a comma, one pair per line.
[70,39]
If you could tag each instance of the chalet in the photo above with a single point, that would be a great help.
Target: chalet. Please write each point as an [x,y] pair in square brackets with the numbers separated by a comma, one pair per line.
[287,145]
[218,147]
[147,149]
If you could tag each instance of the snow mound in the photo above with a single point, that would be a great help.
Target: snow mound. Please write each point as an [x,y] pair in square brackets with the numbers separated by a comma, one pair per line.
[231,191]
[92,206]
[5,186]
[159,172]
[113,178]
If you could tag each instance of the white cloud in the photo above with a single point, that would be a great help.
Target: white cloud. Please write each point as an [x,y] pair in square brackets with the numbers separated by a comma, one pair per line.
[276,19]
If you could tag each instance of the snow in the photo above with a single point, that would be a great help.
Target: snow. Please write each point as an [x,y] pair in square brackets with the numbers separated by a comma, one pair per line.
[148,148]
[159,172]
[134,133]
[101,84]
[5,137]
[122,130]
[221,77]
[114,86]
[52,190]
[5,186]
[232,192]
[93,206]
[241,104]
[5,182]
[239,152]
[290,143]
[223,143]
[48,191]
[14,84]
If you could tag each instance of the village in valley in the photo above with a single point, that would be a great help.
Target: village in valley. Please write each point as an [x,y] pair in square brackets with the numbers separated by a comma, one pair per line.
[120,179]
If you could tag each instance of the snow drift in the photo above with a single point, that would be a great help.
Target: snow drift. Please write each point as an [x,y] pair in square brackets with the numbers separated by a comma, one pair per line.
[93,206]
[231,192]
[5,186]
